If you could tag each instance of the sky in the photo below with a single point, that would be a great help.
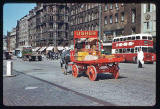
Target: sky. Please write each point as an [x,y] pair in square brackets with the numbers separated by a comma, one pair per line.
[13,12]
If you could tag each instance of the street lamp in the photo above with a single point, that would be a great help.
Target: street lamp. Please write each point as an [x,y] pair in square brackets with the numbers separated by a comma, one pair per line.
[99,25]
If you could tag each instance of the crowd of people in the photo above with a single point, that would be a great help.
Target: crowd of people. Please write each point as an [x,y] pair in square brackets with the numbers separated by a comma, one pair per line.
[52,55]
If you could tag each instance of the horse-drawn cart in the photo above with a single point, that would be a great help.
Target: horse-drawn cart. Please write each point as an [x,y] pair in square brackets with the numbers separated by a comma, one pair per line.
[87,57]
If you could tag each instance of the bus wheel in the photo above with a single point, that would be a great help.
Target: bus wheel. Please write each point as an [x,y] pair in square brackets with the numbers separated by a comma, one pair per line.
[75,71]
[92,73]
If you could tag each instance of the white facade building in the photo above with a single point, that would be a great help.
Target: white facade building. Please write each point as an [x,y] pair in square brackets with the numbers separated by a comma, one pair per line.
[148,19]
[4,43]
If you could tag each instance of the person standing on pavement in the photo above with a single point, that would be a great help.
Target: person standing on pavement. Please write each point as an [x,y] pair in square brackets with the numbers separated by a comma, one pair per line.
[140,56]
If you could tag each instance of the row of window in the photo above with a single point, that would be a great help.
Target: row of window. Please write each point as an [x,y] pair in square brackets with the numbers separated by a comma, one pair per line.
[132,38]
[111,18]
[110,6]
[81,19]
[134,50]
[149,7]
[83,7]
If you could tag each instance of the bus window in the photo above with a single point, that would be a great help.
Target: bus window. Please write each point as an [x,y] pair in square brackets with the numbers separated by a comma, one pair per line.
[132,50]
[136,50]
[137,37]
[121,39]
[144,37]
[116,50]
[120,50]
[124,39]
[149,38]
[133,38]
[117,39]
[129,38]
[124,50]
[128,50]
[150,50]
[144,49]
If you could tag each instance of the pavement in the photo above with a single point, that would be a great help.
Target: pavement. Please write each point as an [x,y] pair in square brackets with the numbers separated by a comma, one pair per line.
[135,87]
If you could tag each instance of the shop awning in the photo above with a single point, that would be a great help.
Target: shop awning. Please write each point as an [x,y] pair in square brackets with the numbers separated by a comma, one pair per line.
[50,48]
[67,48]
[35,49]
[42,49]
[60,48]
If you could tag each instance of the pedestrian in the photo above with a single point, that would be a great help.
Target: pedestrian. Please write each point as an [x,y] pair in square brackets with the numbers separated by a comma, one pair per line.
[140,56]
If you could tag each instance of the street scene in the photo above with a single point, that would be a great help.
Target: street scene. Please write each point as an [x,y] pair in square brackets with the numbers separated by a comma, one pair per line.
[87,54]
[35,85]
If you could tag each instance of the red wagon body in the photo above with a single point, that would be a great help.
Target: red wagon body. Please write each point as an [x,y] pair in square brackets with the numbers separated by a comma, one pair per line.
[93,67]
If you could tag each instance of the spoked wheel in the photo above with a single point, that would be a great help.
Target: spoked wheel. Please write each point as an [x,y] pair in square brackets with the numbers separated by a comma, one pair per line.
[75,70]
[116,72]
[92,73]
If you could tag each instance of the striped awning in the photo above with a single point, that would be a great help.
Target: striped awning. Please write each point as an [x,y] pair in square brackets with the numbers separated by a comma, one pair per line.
[37,48]
[42,49]
[60,48]
[50,48]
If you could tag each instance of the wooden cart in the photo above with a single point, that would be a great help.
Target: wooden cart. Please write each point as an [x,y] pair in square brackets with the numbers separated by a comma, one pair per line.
[93,67]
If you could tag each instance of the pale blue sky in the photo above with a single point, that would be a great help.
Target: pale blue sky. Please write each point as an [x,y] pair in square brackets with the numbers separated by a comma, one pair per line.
[13,12]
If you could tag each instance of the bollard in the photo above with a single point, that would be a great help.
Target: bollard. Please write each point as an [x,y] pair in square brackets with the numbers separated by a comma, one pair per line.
[9,69]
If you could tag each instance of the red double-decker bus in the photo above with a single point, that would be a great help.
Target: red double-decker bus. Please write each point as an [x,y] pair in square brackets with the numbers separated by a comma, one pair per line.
[128,46]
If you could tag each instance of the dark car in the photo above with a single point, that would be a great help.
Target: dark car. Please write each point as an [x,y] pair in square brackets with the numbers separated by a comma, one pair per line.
[64,60]
[8,55]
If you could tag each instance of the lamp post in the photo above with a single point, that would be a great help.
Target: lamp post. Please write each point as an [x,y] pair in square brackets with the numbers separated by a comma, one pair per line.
[100,25]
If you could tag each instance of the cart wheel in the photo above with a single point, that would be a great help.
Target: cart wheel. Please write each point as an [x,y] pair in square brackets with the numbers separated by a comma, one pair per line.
[92,73]
[116,72]
[75,71]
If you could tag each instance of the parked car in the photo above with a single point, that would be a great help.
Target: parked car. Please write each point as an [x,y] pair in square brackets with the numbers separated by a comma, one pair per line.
[8,55]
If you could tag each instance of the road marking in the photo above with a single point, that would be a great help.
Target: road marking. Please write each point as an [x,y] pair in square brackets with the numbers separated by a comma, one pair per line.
[30,87]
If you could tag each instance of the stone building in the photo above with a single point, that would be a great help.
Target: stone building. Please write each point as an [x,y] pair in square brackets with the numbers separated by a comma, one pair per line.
[83,16]
[32,27]
[148,19]
[113,21]
[51,24]
[23,35]
[12,38]
[119,19]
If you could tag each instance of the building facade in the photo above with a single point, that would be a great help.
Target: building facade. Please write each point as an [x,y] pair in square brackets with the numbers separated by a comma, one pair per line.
[148,19]
[83,16]
[12,38]
[32,27]
[119,19]
[113,21]
[54,23]
[23,34]
[51,24]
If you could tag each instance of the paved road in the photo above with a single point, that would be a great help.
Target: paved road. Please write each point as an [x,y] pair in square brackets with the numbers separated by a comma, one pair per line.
[135,87]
